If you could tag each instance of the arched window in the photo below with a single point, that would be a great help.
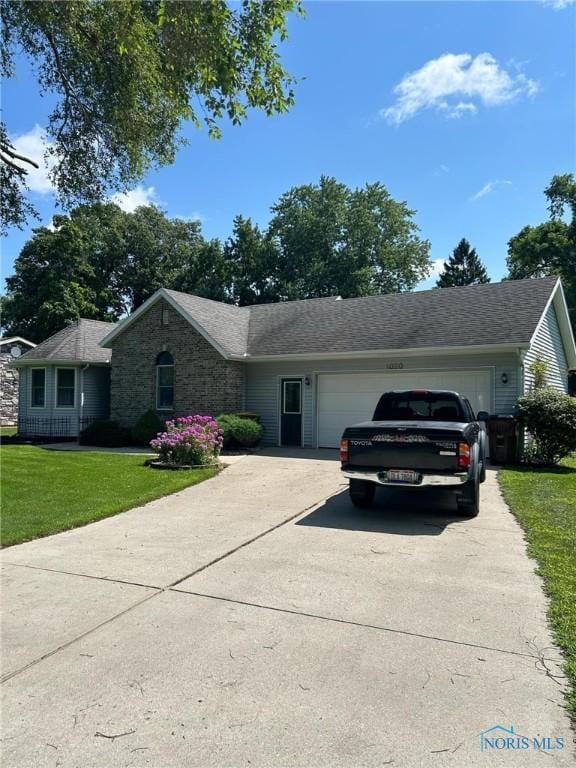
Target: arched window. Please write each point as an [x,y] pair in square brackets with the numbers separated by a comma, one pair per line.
[165,382]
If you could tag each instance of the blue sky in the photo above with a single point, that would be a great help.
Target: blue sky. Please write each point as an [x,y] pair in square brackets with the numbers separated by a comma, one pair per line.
[463,109]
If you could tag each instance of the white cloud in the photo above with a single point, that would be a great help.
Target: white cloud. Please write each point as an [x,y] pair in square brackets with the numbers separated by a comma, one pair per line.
[559,5]
[134,198]
[34,144]
[452,83]
[436,268]
[490,187]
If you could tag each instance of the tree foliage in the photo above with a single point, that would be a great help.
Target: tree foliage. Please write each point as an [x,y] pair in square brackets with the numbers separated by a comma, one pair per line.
[462,268]
[550,248]
[100,262]
[126,75]
[333,240]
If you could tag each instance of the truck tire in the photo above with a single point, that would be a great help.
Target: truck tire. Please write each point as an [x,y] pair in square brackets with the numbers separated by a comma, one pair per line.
[469,501]
[362,493]
[482,478]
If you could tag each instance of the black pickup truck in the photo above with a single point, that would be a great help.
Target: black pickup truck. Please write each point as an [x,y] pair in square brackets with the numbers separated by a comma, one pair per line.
[417,439]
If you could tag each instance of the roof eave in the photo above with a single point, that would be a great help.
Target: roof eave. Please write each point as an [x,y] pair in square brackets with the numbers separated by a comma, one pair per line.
[558,299]
[12,339]
[405,352]
[21,363]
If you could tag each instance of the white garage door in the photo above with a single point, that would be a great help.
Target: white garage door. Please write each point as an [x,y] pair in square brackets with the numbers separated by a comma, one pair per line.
[347,398]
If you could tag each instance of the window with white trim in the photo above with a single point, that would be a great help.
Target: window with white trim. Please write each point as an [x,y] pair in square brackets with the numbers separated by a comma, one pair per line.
[38,388]
[165,382]
[65,387]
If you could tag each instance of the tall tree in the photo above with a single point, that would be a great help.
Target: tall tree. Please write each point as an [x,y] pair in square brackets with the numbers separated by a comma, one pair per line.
[251,264]
[102,263]
[550,248]
[352,242]
[157,252]
[462,268]
[205,273]
[52,284]
[125,76]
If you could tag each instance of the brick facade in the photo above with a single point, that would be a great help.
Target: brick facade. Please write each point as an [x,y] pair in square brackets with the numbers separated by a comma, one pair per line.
[204,381]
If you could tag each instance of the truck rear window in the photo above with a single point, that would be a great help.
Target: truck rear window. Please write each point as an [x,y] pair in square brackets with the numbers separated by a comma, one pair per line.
[413,406]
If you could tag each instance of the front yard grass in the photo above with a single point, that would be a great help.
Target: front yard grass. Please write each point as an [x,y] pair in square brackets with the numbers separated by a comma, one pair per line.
[44,492]
[544,501]
[8,431]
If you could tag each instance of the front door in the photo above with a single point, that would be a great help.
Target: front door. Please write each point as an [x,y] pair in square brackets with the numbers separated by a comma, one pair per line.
[291,412]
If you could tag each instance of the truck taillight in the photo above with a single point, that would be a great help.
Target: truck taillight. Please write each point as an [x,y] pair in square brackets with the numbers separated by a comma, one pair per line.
[463,455]
[344,450]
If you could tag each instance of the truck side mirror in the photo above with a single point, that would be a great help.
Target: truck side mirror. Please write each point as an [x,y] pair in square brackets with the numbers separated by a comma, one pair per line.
[483,416]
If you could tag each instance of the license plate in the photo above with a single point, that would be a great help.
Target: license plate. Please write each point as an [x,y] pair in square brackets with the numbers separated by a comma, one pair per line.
[402,476]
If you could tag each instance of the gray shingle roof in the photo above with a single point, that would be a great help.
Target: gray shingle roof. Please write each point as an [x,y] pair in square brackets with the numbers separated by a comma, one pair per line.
[494,313]
[78,343]
[480,315]
[225,323]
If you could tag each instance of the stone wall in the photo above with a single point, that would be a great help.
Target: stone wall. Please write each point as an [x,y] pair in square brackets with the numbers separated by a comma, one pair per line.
[204,381]
[8,391]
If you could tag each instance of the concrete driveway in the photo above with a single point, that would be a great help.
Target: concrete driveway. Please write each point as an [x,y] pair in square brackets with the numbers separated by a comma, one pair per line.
[259,620]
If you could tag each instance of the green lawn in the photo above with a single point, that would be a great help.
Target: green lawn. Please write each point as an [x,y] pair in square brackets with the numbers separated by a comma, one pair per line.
[544,501]
[7,431]
[44,492]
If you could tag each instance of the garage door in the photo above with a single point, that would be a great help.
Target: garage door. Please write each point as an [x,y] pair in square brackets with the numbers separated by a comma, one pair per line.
[347,398]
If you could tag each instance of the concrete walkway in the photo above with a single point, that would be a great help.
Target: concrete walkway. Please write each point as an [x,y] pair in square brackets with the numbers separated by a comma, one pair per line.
[258,619]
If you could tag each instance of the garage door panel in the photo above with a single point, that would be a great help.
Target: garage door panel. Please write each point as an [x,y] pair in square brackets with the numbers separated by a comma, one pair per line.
[348,398]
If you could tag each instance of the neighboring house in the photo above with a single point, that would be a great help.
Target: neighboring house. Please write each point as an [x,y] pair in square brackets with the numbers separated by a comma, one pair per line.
[10,349]
[310,368]
[65,381]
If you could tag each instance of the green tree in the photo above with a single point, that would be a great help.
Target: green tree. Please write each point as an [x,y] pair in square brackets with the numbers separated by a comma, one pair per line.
[205,273]
[52,284]
[250,264]
[127,74]
[102,263]
[550,248]
[462,268]
[334,240]
[157,252]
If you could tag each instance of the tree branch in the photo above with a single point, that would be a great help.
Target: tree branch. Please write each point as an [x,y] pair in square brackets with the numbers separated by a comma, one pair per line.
[68,87]
[8,150]
[20,171]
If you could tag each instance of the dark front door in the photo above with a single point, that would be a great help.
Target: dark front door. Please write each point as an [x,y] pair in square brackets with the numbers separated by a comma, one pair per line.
[291,412]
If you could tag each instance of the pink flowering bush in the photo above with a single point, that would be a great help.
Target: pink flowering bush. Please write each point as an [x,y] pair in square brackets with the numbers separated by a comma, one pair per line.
[189,440]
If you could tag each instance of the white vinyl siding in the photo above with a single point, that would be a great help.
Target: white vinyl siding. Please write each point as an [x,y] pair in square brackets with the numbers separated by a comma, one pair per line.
[91,400]
[96,392]
[547,346]
[263,382]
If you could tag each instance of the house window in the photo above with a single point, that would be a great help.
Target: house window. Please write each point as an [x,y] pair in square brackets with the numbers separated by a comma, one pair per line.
[165,382]
[165,316]
[38,388]
[65,387]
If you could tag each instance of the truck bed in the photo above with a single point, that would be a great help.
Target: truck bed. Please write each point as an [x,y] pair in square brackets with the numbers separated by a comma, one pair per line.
[422,445]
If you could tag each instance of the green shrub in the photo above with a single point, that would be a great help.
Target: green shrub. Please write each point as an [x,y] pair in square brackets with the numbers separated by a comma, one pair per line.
[239,432]
[550,418]
[249,415]
[105,434]
[147,427]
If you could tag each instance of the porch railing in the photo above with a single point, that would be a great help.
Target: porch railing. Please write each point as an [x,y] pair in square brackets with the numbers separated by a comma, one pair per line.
[52,426]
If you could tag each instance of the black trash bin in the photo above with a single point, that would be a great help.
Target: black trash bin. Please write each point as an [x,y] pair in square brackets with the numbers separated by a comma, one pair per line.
[503,439]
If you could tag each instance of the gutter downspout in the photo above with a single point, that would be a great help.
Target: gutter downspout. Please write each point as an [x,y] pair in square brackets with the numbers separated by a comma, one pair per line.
[81,414]
[522,382]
